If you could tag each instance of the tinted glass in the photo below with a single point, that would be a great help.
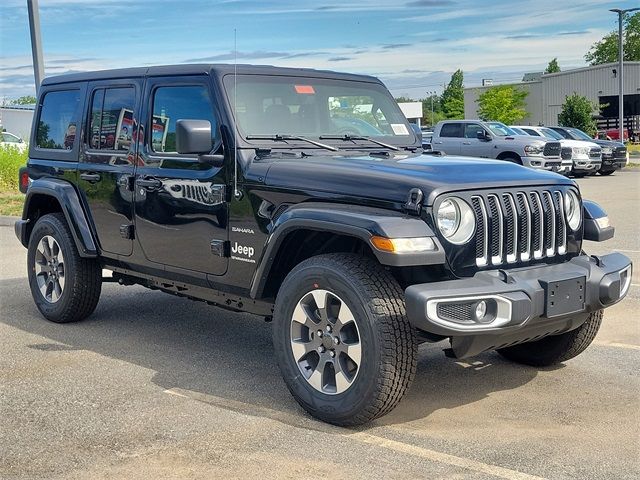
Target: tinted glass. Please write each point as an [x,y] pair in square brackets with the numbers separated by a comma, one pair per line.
[171,104]
[451,130]
[533,133]
[500,129]
[9,138]
[111,125]
[58,120]
[562,132]
[314,107]
[547,132]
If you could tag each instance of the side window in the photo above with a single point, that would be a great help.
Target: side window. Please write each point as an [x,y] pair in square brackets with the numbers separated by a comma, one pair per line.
[58,120]
[111,123]
[471,130]
[451,130]
[175,103]
[532,132]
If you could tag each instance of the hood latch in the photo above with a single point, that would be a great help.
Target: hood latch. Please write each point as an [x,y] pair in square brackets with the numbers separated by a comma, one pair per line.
[414,201]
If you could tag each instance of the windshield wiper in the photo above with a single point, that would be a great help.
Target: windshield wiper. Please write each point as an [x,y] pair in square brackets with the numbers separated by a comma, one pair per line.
[284,138]
[350,138]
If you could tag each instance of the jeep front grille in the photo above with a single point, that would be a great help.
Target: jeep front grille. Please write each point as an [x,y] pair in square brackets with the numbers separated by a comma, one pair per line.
[552,149]
[519,226]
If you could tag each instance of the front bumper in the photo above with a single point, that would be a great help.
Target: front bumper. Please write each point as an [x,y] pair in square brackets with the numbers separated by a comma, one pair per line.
[553,164]
[586,165]
[522,304]
[613,163]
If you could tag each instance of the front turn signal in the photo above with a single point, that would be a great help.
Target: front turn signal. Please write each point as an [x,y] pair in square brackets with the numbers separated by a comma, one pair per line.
[404,245]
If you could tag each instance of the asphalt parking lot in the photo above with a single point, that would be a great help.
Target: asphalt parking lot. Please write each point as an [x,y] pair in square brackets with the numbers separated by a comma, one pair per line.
[152,386]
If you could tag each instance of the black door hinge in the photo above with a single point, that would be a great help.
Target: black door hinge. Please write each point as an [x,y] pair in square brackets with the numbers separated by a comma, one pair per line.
[414,201]
[221,248]
[127,231]
[218,194]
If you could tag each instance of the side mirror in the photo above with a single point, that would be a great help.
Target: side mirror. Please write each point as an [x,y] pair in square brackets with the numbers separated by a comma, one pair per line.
[484,136]
[193,136]
[417,131]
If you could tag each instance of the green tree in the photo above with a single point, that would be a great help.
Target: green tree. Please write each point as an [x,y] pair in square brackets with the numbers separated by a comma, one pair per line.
[577,111]
[404,99]
[453,97]
[429,104]
[25,100]
[503,103]
[553,66]
[606,50]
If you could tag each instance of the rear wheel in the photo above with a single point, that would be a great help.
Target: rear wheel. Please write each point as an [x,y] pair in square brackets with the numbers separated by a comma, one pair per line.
[64,286]
[344,345]
[557,348]
[512,160]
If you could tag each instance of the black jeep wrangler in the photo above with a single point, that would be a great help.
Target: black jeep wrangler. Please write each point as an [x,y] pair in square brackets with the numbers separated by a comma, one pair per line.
[303,196]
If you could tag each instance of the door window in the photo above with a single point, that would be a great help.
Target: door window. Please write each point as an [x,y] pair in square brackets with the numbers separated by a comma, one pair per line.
[451,130]
[111,124]
[471,130]
[58,120]
[174,103]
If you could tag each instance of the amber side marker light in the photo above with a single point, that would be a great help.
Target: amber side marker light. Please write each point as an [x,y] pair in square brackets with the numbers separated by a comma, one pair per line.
[403,245]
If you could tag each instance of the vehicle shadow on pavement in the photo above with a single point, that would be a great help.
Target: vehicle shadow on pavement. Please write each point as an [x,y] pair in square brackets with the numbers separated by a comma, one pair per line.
[227,359]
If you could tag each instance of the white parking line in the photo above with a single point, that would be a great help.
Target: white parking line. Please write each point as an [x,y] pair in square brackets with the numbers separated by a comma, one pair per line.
[618,345]
[394,445]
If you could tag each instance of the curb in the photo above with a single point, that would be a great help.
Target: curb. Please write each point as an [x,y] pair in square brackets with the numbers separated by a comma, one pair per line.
[6,221]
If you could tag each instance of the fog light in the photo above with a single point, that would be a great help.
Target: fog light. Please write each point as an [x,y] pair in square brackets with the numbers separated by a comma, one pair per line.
[480,310]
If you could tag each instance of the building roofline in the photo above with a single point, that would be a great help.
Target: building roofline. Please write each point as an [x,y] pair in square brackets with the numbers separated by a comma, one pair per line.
[590,67]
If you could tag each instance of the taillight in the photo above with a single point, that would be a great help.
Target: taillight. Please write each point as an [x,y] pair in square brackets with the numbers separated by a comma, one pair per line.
[23,179]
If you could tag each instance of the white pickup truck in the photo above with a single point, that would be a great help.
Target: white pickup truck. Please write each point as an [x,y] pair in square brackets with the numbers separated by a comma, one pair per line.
[475,138]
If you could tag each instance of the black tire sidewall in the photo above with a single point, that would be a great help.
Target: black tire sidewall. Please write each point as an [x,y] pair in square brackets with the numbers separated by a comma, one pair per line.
[50,225]
[354,400]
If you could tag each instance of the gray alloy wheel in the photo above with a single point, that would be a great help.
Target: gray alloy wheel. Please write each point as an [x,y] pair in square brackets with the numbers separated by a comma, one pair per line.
[325,342]
[50,269]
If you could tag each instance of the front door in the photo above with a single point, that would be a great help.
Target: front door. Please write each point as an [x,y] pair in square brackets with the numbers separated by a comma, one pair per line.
[105,170]
[181,204]
[471,145]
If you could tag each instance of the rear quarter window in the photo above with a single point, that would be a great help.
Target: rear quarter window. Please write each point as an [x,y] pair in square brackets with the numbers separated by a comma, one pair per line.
[451,130]
[58,120]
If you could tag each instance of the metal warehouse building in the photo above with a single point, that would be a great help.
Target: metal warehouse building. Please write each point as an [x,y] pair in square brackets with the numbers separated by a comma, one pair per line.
[547,93]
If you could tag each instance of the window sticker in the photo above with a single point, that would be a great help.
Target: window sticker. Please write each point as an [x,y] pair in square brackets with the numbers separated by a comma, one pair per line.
[399,129]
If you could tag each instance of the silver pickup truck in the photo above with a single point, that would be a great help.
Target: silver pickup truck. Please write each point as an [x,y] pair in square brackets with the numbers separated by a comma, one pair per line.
[475,138]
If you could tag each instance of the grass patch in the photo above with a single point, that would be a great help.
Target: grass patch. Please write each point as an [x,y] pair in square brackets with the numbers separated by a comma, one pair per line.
[633,149]
[11,199]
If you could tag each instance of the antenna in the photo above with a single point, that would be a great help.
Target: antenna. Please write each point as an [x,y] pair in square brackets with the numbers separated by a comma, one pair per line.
[236,193]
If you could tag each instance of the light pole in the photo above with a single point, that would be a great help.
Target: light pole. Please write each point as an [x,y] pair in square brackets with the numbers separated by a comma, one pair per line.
[431,94]
[36,42]
[621,14]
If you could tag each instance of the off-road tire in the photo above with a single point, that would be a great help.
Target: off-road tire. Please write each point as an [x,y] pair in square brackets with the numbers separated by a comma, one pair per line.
[83,276]
[388,341]
[556,348]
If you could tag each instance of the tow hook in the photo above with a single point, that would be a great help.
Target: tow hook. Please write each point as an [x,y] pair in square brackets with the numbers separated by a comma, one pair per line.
[414,201]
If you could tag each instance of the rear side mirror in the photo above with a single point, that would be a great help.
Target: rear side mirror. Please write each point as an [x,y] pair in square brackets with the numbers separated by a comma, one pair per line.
[193,137]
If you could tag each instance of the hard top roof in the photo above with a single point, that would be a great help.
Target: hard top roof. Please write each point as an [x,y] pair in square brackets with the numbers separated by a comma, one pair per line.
[191,69]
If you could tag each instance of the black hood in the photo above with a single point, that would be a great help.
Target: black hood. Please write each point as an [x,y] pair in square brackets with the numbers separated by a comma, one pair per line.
[608,143]
[391,179]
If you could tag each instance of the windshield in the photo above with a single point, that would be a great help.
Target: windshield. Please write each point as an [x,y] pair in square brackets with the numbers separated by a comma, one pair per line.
[547,132]
[9,138]
[500,129]
[579,134]
[315,107]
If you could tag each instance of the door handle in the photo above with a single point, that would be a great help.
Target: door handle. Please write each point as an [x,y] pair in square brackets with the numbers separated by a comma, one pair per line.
[438,143]
[149,183]
[466,143]
[90,177]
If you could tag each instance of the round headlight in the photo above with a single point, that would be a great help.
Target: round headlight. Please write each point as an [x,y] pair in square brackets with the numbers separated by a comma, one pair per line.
[456,220]
[572,210]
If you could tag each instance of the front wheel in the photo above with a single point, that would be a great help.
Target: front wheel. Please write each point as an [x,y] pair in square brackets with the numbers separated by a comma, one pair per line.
[64,286]
[556,348]
[342,340]
[606,172]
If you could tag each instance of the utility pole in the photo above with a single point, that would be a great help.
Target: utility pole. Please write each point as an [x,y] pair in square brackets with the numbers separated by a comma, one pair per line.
[36,42]
[431,94]
[621,13]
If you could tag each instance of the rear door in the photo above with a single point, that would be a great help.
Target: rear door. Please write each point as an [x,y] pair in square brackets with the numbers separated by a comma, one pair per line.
[449,139]
[105,170]
[181,206]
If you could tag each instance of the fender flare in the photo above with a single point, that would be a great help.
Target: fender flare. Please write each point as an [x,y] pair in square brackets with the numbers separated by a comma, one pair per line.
[66,195]
[351,220]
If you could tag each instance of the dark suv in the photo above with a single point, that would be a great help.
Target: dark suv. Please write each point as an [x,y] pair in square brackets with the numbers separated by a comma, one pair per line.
[303,197]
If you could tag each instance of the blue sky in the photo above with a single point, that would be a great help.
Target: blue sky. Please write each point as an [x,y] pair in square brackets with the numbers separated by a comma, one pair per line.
[413,46]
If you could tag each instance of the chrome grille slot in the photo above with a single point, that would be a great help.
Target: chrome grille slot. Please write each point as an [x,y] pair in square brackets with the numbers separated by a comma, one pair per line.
[516,226]
[496,222]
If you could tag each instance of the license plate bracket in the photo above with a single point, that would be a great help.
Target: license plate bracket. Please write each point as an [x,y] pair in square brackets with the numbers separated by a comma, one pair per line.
[564,296]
